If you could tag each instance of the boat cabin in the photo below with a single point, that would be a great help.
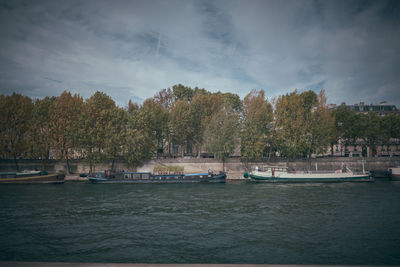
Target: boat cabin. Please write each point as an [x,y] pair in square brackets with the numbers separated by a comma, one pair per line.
[275,169]
[137,175]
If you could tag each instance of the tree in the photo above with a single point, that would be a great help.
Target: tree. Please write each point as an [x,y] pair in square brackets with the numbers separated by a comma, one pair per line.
[152,117]
[389,128]
[132,107]
[290,125]
[256,132]
[115,133]
[90,129]
[138,146]
[183,93]
[304,124]
[341,115]
[347,125]
[222,134]
[15,115]
[67,109]
[197,113]
[181,124]
[232,100]
[165,98]
[320,125]
[40,129]
[370,130]
[202,108]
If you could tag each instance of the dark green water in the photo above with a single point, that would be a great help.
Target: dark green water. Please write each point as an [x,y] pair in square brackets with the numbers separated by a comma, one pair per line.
[345,223]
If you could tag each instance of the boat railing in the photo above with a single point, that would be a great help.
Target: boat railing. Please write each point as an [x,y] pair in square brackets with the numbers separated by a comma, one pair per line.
[275,168]
[319,171]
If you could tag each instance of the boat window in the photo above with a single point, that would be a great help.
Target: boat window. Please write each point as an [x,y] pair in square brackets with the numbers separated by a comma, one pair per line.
[135,175]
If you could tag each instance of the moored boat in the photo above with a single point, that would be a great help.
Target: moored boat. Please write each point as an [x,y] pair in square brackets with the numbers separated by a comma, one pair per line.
[147,177]
[381,175]
[395,172]
[281,174]
[31,177]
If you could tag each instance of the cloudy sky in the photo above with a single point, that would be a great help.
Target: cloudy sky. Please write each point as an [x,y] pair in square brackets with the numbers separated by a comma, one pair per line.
[132,49]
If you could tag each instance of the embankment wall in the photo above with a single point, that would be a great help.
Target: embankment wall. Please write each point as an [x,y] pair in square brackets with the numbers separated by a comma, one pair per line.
[234,167]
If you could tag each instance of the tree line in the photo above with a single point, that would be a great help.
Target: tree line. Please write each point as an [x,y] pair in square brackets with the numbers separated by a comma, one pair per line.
[97,130]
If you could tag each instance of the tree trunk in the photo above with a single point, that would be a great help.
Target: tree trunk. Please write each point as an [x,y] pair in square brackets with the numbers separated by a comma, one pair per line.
[43,164]
[113,162]
[223,164]
[90,168]
[68,167]
[169,148]
[16,163]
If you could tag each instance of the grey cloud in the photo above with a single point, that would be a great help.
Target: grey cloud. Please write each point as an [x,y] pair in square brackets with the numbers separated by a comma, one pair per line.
[131,49]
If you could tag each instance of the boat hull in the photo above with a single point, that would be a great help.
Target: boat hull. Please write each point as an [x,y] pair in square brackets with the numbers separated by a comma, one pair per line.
[312,179]
[39,179]
[396,177]
[381,175]
[395,174]
[162,179]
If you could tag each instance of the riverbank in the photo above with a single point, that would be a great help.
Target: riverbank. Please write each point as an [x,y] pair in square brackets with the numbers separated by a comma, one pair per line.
[234,166]
[75,178]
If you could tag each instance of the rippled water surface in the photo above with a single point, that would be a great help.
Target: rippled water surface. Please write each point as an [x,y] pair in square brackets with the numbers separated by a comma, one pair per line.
[345,223]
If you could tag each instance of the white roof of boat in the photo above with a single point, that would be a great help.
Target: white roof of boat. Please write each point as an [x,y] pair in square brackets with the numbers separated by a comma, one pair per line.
[269,166]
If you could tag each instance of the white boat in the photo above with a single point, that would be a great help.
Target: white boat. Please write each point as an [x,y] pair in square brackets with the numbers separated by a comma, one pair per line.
[395,173]
[281,174]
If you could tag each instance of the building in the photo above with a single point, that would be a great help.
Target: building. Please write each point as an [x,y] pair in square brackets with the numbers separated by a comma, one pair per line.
[382,108]
[360,149]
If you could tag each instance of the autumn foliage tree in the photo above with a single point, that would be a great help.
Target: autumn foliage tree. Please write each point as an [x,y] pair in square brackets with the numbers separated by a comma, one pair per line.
[67,109]
[92,126]
[297,124]
[320,126]
[15,116]
[222,133]
[152,117]
[180,123]
[304,124]
[138,146]
[257,126]
[290,125]
[115,134]
[40,129]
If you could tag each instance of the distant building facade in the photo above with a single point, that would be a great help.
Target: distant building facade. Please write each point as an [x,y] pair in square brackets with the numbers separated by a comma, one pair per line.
[360,149]
[382,108]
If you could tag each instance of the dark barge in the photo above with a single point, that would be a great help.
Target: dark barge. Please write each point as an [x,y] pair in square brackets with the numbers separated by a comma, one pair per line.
[148,178]
[31,177]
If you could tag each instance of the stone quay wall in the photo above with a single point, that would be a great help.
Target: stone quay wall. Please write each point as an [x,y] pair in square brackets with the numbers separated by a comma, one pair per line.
[234,166]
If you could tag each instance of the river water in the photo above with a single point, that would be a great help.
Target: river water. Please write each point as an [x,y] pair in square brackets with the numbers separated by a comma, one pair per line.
[341,223]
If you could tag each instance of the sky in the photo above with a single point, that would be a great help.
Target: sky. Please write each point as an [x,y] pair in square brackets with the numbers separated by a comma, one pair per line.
[130,50]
